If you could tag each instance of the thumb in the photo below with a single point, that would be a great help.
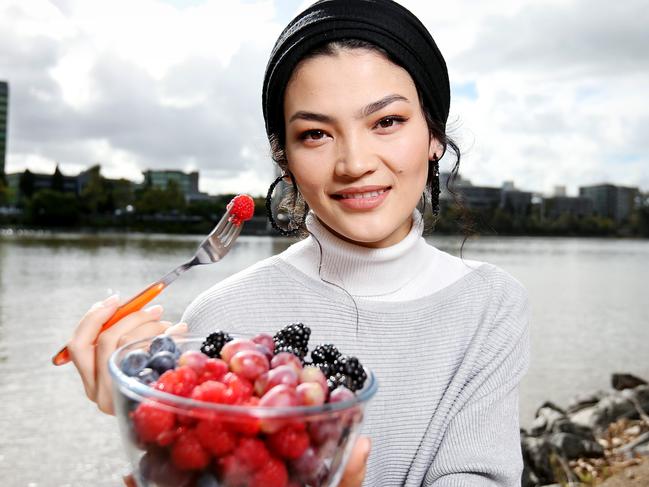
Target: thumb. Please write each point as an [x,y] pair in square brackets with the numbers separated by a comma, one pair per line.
[355,469]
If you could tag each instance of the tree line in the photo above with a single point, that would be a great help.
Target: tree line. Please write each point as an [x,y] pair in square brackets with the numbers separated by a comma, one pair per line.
[118,204]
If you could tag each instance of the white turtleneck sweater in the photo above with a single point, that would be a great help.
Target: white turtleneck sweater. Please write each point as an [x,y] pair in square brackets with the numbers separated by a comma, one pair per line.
[407,270]
[447,339]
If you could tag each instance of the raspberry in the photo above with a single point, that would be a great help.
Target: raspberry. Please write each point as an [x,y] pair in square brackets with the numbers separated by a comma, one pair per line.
[188,454]
[187,380]
[247,426]
[180,381]
[214,369]
[239,389]
[150,421]
[168,437]
[252,453]
[241,209]
[215,437]
[232,473]
[273,474]
[289,442]
[214,342]
[211,391]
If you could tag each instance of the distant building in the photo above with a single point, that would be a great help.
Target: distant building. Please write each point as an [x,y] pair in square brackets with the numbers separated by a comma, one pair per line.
[560,191]
[4,111]
[610,201]
[36,181]
[556,206]
[445,197]
[188,182]
[514,201]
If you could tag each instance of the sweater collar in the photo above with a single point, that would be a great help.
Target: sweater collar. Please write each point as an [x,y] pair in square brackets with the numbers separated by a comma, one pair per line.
[364,271]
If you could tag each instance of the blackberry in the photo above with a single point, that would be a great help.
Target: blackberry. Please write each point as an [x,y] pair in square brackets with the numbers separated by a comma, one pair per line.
[282,346]
[295,335]
[336,380]
[324,354]
[214,343]
[352,369]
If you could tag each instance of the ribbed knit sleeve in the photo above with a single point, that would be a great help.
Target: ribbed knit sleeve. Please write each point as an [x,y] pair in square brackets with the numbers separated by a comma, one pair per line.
[481,446]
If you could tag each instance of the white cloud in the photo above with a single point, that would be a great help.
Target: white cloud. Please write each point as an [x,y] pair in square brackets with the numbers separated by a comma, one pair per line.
[544,92]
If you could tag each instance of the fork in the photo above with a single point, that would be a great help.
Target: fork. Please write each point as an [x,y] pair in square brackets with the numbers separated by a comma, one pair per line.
[211,250]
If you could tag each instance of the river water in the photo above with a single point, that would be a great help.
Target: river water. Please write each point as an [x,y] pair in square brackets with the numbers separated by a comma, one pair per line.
[590,317]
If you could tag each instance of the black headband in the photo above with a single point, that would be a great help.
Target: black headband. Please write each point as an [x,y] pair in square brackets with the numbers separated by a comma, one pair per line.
[381,22]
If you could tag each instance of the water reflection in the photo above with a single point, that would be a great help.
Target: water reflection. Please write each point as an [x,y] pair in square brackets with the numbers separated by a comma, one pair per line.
[588,301]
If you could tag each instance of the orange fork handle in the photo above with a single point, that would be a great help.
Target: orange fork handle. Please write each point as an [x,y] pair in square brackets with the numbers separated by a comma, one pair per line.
[134,304]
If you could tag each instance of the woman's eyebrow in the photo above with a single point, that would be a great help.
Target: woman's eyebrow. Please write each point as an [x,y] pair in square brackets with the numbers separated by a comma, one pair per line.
[366,111]
[377,105]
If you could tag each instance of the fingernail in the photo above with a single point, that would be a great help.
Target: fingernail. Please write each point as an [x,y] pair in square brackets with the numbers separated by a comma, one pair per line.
[110,300]
[177,328]
[155,310]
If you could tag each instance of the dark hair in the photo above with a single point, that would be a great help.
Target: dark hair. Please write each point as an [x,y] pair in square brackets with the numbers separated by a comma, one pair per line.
[295,205]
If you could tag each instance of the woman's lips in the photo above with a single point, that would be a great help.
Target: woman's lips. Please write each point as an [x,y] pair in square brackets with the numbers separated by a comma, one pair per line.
[366,200]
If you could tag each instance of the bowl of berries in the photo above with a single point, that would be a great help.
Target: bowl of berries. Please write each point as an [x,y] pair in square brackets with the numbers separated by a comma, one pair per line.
[229,411]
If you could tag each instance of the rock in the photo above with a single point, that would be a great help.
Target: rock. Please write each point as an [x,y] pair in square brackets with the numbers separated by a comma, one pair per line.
[528,478]
[582,401]
[572,446]
[545,417]
[564,425]
[617,405]
[536,455]
[588,417]
[626,381]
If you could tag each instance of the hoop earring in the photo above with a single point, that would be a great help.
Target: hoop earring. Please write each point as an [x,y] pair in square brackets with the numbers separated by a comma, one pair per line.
[293,227]
[434,196]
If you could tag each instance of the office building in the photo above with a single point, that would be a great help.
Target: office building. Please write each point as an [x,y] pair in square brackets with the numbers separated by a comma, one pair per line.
[610,201]
[4,123]
[556,206]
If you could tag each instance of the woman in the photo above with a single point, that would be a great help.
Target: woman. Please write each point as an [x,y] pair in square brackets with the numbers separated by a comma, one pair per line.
[356,97]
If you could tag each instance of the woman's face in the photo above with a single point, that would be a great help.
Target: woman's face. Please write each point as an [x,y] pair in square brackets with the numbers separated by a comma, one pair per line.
[357,144]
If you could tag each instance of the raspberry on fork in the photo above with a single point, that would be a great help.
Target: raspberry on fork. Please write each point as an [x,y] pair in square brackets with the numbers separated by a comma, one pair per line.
[241,209]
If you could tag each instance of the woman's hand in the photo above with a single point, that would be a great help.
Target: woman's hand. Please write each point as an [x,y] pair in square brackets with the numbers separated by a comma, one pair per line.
[355,470]
[91,360]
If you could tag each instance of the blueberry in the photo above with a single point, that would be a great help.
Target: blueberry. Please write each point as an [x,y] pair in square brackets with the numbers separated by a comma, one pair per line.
[147,376]
[162,361]
[207,480]
[162,343]
[134,362]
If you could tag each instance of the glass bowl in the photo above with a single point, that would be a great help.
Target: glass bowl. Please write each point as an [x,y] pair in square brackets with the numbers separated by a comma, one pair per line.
[177,441]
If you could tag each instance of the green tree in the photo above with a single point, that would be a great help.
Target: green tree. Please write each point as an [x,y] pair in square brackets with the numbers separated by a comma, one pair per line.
[4,193]
[94,195]
[152,200]
[53,208]
[57,180]
[26,184]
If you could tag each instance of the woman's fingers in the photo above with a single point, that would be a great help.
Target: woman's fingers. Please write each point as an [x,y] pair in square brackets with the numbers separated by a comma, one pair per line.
[104,397]
[109,340]
[355,470]
[177,329]
[81,347]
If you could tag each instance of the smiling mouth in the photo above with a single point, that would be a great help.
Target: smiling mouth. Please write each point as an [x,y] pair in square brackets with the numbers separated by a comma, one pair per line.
[358,196]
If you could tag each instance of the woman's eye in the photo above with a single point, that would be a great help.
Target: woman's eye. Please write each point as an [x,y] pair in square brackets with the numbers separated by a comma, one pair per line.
[312,135]
[389,122]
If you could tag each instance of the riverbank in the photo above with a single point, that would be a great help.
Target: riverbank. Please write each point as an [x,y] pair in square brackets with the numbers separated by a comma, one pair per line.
[599,436]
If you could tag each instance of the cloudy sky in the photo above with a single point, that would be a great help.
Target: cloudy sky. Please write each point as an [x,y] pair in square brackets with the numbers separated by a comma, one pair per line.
[544,93]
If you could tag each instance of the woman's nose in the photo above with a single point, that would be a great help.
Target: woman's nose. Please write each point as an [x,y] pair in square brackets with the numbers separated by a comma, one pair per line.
[355,159]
